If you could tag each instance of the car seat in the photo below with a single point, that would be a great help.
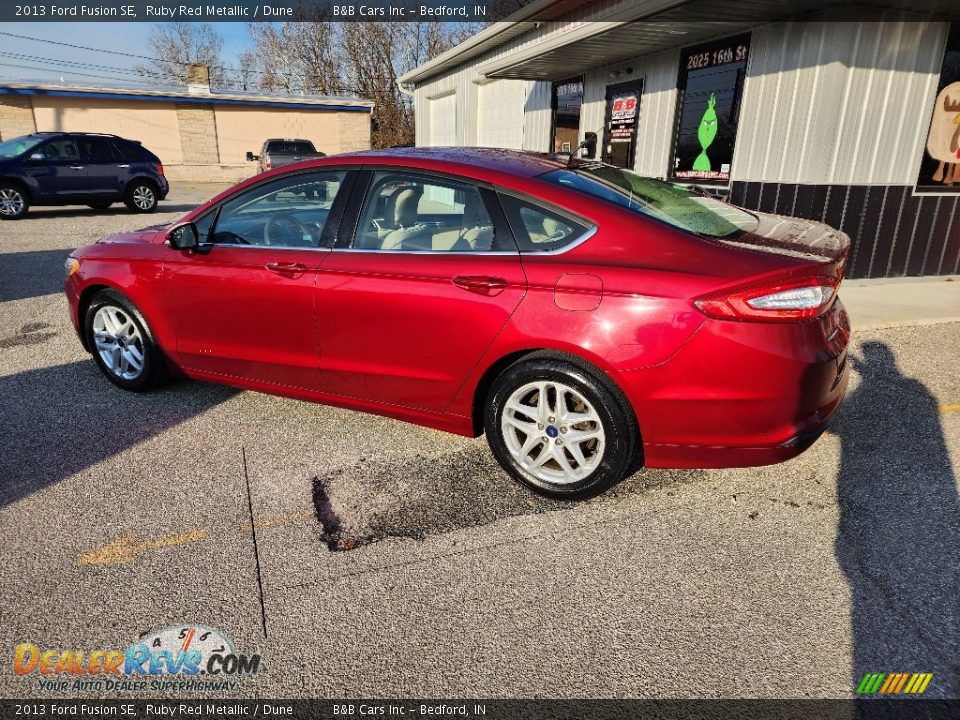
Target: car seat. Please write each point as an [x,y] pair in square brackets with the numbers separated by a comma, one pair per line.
[410,233]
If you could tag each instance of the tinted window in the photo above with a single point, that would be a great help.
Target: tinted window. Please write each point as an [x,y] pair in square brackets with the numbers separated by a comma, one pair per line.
[406,212]
[95,149]
[18,146]
[294,147]
[61,150]
[711,85]
[674,204]
[537,228]
[940,167]
[133,151]
[289,212]
[302,147]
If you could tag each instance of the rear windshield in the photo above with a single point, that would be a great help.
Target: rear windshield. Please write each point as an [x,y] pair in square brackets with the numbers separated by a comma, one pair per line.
[297,147]
[677,205]
[17,146]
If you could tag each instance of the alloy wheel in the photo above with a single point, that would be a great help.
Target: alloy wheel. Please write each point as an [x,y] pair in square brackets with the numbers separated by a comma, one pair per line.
[552,432]
[143,197]
[11,202]
[118,342]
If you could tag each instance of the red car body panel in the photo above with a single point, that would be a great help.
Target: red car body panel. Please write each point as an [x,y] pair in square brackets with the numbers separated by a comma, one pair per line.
[393,333]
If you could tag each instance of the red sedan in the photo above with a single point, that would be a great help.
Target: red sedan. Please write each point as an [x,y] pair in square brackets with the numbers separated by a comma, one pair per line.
[587,319]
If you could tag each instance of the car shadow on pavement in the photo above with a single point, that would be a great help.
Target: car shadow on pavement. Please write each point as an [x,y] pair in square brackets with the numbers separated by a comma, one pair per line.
[415,498]
[31,274]
[48,212]
[59,420]
[898,538]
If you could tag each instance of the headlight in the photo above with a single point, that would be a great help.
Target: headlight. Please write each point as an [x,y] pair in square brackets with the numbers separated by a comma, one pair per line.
[70,266]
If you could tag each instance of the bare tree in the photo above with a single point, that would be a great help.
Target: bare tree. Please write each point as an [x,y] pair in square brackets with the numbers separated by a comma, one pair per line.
[175,45]
[363,59]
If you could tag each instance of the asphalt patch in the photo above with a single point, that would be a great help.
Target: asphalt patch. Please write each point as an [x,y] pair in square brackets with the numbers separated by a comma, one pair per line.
[371,501]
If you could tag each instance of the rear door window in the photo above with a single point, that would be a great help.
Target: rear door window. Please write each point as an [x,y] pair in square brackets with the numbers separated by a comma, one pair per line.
[96,150]
[408,212]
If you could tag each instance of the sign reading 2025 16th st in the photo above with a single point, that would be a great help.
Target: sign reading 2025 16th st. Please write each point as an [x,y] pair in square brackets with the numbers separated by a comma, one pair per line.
[181,658]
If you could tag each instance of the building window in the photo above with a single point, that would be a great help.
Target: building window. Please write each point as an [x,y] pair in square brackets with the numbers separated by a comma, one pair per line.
[567,101]
[711,88]
[940,167]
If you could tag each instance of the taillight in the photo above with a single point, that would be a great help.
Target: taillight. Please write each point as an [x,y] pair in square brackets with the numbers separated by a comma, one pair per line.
[773,302]
[266,164]
[159,168]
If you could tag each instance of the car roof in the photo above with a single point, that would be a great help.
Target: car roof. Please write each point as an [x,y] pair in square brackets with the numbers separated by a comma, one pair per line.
[515,162]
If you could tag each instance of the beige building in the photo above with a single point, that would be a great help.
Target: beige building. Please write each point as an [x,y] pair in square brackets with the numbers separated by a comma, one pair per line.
[197,134]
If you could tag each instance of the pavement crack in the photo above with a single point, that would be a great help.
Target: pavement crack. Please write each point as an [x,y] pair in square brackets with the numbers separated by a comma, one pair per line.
[256,547]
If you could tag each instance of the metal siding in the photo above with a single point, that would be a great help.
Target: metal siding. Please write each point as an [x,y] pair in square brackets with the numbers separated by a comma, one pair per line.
[838,102]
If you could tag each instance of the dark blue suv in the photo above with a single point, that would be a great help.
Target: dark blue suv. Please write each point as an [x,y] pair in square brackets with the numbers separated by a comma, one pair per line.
[55,168]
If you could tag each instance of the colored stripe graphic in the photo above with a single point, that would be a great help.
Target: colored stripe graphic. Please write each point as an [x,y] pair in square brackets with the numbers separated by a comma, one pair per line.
[894,683]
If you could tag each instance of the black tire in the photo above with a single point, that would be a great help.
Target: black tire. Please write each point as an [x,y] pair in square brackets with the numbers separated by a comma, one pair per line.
[14,201]
[620,434]
[153,371]
[100,205]
[139,190]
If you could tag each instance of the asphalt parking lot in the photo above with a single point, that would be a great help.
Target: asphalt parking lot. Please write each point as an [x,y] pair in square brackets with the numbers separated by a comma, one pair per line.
[393,560]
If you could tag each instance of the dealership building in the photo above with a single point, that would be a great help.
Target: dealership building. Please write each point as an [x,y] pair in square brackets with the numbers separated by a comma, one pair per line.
[199,135]
[824,109]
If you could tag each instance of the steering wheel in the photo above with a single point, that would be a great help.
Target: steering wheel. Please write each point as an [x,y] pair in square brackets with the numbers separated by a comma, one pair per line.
[284,228]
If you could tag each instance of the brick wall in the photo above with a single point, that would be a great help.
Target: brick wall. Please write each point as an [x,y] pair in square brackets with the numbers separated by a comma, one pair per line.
[354,131]
[198,134]
[16,116]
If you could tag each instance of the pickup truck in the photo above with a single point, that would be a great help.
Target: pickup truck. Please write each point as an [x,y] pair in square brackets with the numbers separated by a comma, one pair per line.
[277,152]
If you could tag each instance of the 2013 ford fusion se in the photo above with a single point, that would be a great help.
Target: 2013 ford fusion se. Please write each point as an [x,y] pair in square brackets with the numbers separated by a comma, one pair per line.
[588,320]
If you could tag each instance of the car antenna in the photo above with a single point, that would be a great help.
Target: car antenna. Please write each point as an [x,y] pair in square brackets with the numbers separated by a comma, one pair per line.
[589,141]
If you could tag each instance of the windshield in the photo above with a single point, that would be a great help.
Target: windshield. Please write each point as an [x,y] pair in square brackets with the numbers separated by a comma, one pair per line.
[18,146]
[677,205]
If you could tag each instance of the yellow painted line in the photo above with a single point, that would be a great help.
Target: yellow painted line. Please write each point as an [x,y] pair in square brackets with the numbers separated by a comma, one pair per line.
[125,549]
[948,408]
[923,686]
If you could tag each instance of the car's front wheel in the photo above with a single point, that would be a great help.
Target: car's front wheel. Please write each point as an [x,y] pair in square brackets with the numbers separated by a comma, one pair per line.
[558,430]
[141,196]
[122,344]
[13,202]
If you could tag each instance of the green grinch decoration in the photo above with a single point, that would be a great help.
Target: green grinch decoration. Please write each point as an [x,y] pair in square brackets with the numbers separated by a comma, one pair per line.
[706,133]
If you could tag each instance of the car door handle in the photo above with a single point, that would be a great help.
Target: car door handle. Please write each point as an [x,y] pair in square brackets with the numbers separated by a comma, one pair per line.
[481,284]
[124,166]
[78,167]
[286,268]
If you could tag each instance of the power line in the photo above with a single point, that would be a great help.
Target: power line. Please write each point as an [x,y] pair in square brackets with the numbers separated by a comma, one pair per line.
[91,49]
[74,72]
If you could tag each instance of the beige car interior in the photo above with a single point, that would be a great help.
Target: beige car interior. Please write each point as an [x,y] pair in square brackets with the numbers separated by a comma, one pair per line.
[402,228]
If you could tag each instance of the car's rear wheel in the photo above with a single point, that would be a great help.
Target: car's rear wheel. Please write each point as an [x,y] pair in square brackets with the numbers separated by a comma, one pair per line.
[141,196]
[558,430]
[122,344]
[13,202]
[100,205]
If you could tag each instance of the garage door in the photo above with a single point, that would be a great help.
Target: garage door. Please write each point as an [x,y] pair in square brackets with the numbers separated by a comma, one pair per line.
[500,120]
[443,120]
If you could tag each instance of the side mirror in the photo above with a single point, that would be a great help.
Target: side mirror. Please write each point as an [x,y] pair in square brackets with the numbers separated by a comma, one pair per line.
[184,237]
[251,157]
[38,156]
[589,145]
